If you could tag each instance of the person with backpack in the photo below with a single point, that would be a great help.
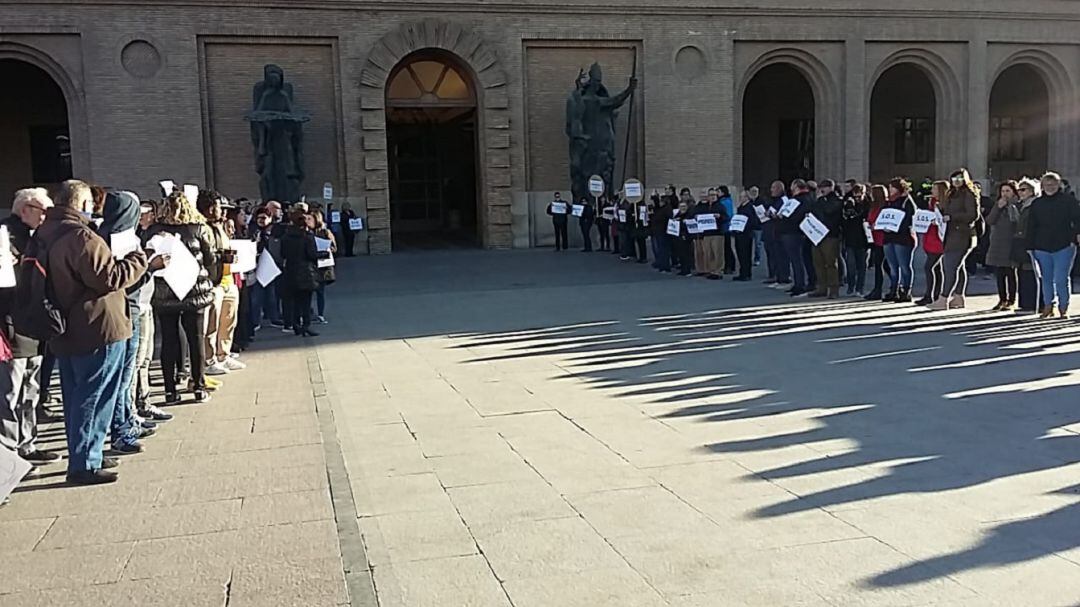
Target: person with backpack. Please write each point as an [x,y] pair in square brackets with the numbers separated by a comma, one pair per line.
[960,211]
[71,291]
[19,375]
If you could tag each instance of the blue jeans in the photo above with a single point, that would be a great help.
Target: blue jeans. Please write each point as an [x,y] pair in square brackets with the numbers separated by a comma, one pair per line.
[264,302]
[121,417]
[91,387]
[793,251]
[759,249]
[1053,270]
[856,268]
[900,272]
[663,252]
[320,299]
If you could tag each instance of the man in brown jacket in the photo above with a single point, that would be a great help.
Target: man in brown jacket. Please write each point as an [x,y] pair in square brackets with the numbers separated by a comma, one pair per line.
[88,287]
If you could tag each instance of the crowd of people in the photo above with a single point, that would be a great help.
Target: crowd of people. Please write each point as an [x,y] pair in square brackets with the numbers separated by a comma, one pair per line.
[821,239]
[95,275]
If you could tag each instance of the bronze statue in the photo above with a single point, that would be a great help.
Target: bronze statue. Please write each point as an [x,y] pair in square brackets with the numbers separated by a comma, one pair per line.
[590,126]
[278,137]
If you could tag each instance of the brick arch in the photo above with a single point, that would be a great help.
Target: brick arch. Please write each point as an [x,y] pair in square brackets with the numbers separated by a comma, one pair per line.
[1061,97]
[827,130]
[74,99]
[950,139]
[493,114]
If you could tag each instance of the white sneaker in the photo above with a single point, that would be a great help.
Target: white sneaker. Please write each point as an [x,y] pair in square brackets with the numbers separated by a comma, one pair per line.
[232,364]
[217,369]
[235,355]
[319,320]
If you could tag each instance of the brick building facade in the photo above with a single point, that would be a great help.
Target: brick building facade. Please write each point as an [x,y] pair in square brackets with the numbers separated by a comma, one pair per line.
[469,141]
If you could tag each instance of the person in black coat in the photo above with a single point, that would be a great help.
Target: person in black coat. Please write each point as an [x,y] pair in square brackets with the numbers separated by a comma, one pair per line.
[603,222]
[177,217]
[661,241]
[559,220]
[585,222]
[828,209]
[854,214]
[301,272]
[744,240]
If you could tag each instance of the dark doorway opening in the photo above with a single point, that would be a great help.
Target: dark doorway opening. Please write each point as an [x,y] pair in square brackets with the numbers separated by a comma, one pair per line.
[903,125]
[431,137]
[1019,138]
[36,145]
[778,127]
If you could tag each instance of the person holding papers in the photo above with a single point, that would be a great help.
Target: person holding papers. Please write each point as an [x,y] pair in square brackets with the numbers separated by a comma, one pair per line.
[900,244]
[624,223]
[828,209]
[680,244]
[1027,295]
[641,231]
[559,213]
[705,256]
[88,283]
[585,223]
[744,239]
[724,200]
[301,272]
[775,256]
[960,212]
[327,275]
[658,225]
[603,223]
[222,312]
[347,233]
[933,247]
[878,197]
[181,231]
[1002,224]
[789,218]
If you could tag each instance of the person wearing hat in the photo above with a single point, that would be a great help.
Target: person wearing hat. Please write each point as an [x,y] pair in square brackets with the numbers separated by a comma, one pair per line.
[221,314]
[829,210]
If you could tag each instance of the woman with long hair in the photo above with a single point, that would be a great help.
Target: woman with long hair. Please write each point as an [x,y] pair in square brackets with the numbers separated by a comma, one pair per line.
[327,275]
[900,245]
[1002,224]
[1028,295]
[177,217]
[878,196]
[934,248]
[855,211]
[1053,230]
[960,211]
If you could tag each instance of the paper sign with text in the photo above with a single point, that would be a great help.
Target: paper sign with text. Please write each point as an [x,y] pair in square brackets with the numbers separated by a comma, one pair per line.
[790,206]
[738,224]
[706,222]
[577,210]
[558,208]
[673,227]
[889,220]
[814,229]
[356,224]
[923,220]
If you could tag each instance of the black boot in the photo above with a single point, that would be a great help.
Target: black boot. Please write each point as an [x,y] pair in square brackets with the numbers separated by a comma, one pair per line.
[903,296]
[873,295]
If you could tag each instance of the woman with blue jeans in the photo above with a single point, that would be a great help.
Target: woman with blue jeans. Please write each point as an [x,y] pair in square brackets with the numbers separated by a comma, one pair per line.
[960,210]
[900,245]
[1052,229]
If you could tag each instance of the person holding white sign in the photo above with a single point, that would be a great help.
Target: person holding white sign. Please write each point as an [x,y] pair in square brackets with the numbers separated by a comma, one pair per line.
[745,238]
[222,312]
[828,211]
[624,222]
[792,238]
[708,246]
[604,223]
[960,211]
[327,274]
[348,233]
[559,212]
[640,231]
[933,247]
[661,214]
[900,245]
[680,245]
[585,223]
[181,225]
[855,211]
[775,258]
[88,284]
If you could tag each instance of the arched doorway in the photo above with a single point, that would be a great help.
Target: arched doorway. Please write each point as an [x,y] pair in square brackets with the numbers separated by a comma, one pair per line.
[34,130]
[903,124]
[778,127]
[1018,140]
[431,130]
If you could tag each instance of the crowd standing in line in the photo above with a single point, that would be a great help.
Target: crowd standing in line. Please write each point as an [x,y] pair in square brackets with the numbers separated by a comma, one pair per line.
[819,239]
[95,275]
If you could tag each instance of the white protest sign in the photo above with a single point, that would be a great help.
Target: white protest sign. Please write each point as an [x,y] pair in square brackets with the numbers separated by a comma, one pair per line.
[191,192]
[596,185]
[326,263]
[578,210]
[122,243]
[167,186]
[356,224]
[922,221]
[643,214]
[7,260]
[790,206]
[761,214]
[335,217]
[692,226]
[183,269]
[738,223]
[328,191]
[322,244]
[889,220]
[706,223]
[622,215]
[558,208]
[814,229]
[12,470]
[939,218]
[869,232]
[246,256]
[634,191]
[608,213]
[673,227]
[266,270]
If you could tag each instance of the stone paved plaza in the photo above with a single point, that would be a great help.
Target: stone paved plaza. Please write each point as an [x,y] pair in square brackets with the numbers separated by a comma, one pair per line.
[532,429]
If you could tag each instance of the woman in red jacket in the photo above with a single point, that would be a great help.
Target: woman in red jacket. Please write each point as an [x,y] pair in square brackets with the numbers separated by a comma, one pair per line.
[934,249]
[878,197]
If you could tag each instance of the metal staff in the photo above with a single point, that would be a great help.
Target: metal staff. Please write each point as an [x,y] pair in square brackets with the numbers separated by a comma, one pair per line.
[629,120]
